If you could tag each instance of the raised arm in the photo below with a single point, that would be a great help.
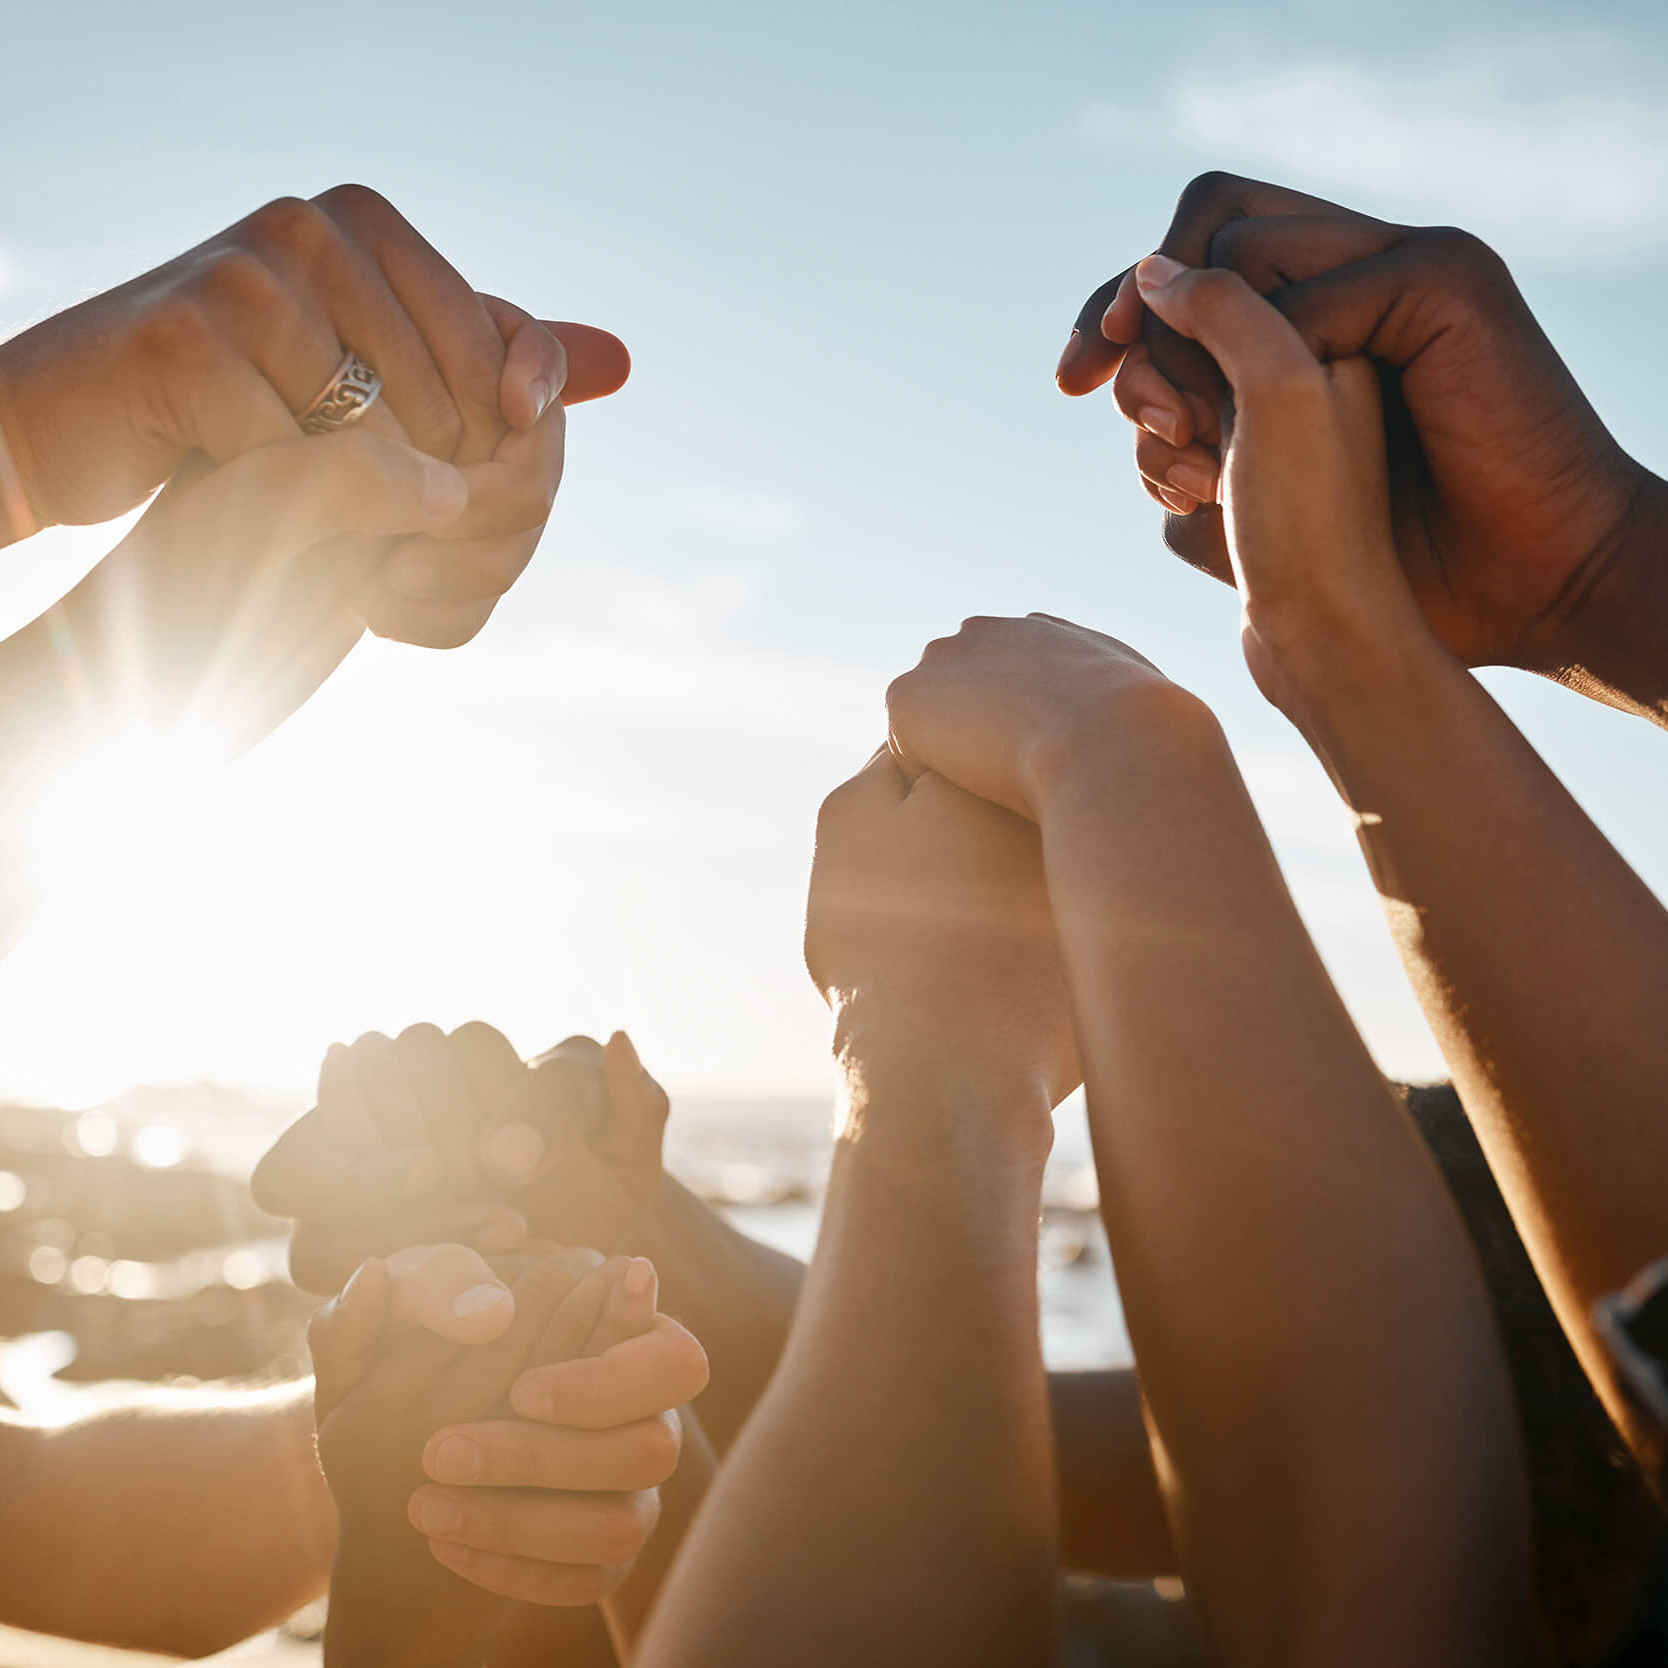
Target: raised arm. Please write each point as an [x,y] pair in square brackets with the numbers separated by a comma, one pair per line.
[1332,1420]
[891,1500]
[1540,958]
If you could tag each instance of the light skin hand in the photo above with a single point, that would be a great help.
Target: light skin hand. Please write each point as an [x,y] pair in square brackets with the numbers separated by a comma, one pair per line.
[212,353]
[524,1512]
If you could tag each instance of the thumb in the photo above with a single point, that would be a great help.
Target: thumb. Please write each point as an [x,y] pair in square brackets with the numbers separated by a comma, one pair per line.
[448,1290]
[1251,340]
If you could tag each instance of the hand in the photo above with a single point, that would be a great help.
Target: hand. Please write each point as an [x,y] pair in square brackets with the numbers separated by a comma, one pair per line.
[214,351]
[550,1516]
[1004,704]
[1509,500]
[1305,494]
[929,934]
[230,600]
[430,1129]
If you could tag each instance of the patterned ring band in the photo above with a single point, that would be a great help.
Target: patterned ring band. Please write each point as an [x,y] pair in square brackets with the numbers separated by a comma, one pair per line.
[344,399]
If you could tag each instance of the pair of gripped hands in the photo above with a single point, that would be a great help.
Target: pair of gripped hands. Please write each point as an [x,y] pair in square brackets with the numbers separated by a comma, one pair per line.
[1359,424]
[269,553]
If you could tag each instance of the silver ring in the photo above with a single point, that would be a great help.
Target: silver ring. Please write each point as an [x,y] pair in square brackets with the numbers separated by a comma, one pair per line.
[344,399]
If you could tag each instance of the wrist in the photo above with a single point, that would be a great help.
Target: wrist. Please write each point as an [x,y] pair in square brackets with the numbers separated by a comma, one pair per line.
[914,1091]
[1151,721]
[1607,634]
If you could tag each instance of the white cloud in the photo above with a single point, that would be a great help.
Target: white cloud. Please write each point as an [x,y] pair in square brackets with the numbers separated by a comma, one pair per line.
[1539,144]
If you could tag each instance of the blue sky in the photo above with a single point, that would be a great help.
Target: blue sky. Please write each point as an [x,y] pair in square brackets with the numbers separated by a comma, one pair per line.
[845,245]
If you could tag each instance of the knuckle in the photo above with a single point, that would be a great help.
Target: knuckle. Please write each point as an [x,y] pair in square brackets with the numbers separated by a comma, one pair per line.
[422,1035]
[177,330]
[1465,253]
[620,1532]
[230,273]
[291,225]
[660,1446]
[351,201]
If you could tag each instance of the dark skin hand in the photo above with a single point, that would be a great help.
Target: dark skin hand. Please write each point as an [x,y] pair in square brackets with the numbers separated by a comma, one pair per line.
[1528,535]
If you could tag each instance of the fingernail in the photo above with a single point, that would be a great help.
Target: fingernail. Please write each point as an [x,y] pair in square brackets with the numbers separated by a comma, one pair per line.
[439,1516]
[478,1299]
[456,1460]
[1165,424]
[1193,479]
[639,1277]
[542,394]
[1177,503]
[1155,272]
[531,1400]
[413,575]
[515,1151]
[1074,352]
[424,1174]
[445,491]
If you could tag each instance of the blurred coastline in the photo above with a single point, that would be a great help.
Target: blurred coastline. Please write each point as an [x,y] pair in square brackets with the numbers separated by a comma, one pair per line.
[131,1252]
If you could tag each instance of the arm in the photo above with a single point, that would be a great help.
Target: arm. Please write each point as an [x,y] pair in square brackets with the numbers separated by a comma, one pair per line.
[1332,1421]
[1531,944]
[891,1500]
[1527,535]
[178,1523]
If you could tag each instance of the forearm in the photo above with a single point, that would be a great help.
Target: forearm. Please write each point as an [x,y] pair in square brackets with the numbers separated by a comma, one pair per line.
[891,1500]
[1539,957]
[1316,1347]
[179,1524]
[735,1295]
[1112,1518]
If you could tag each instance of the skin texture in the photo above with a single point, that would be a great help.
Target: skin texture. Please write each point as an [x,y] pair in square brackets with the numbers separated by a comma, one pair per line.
[1526,535]
[211,353]
[1341,1465]
[1531,944]
[927,932]
[396,1593]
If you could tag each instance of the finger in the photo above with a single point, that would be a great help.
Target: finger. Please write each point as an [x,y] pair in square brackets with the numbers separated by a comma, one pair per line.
[322,1257]
[1274,250]
[446,312]
[662,1369]
[535,364]
[1190,471]
[451,1291]
[1254,344]
[314,488]
[307,1175]
[1090,356]
[1213,200]
[489,1061]
[528,1580]
[1201,541]
[567,1528]
[227,407]
[1146,397]
[425,625]
[598,361]
[471,571]
[634,1127]
[630,1309]
[389,1093]
[342,1337]
[517,1453]
[341,1107]
[560,1098]
[446,1098]
[539,1292]
[578,1316]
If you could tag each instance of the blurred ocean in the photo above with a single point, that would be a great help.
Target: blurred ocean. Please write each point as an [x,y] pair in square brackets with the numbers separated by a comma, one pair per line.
[131,1251]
